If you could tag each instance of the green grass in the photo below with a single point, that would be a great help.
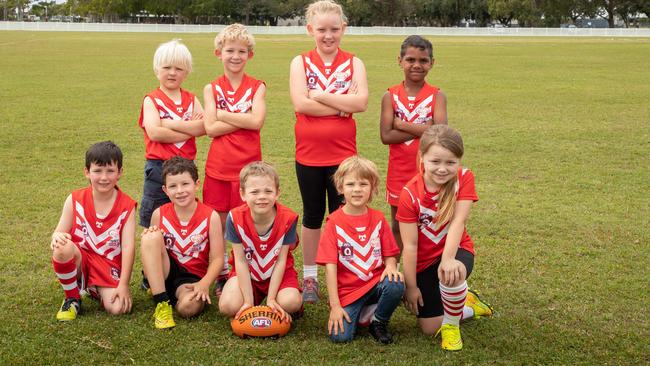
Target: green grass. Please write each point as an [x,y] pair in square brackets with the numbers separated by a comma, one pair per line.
[556,131]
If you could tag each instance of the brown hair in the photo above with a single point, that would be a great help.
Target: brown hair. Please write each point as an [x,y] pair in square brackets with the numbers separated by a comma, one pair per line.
[179,165]
[258,169]
[362,168]
[450,139]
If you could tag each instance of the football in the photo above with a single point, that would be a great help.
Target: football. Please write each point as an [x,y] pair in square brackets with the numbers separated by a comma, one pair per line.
[259,322]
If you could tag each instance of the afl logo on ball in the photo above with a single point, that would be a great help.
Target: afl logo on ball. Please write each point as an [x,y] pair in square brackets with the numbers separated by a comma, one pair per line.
[261,322]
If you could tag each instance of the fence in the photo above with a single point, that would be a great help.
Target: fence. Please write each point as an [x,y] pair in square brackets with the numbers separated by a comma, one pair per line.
[431,31]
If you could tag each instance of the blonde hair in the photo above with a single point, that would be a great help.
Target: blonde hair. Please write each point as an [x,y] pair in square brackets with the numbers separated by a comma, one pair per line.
[324,7]
[234,32]
[450,139]
[172,53]
[258,169]
[362,168]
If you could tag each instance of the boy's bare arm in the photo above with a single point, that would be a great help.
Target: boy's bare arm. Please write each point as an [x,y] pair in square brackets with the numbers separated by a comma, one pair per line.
[351,102]
[254,120]
[243,276]
[61,234]
[276,279]
[389,134]
[154,128]
[127,241]
[300,94]
[213,127]
[201,289]
[194,126]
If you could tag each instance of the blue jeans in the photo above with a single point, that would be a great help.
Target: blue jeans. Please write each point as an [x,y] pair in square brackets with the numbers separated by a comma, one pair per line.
[152,193]
[386,294]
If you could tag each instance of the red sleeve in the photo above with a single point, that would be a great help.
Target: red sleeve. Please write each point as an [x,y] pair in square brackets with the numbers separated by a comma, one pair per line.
[327,248]
[406,211]
[466,187]
[389,246]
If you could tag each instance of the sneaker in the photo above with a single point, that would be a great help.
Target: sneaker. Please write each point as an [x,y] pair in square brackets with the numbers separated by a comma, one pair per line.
[218,286]
[310,290]
[163,317]
[365,316]
[481,308]
[451,340]
[379,331]
[69,310]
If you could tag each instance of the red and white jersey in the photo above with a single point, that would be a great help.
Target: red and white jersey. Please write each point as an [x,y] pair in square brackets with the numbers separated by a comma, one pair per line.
[188,243]
[168,109]
[100,236]
[262,252]
[402,157]
[230,152]
[417,205]
[358,245]
[326,140]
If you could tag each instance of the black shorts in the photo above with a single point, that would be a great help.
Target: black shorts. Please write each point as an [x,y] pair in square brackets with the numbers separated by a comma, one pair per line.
[429,285]
[177,277]
[316,184]
[152,193]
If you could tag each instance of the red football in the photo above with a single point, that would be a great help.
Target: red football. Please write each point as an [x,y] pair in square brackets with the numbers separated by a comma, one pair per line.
[259,321]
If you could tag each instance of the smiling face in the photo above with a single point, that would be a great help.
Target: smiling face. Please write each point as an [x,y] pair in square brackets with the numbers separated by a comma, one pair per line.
[440,166]
[181,188]
[103,178]
[356,191]
[327,30]
[234,55]
[171,76]
[416,64]
[260,193]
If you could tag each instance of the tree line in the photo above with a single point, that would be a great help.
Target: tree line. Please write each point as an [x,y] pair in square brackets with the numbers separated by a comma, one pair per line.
[396,13]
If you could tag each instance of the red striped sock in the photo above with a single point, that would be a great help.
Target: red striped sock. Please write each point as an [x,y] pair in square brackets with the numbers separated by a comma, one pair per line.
[453,301]
[67,274]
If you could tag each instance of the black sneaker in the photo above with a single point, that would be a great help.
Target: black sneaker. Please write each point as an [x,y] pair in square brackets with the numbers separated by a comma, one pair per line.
[379,331]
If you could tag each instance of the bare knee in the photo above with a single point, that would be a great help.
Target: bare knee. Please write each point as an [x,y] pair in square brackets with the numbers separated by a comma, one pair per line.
[290,300]
[63,253]
[430,326]
[113,308]
[187,308]
[151,240]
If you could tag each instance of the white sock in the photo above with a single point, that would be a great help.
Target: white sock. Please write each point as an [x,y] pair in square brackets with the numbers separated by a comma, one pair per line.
[453,302]
[468,312]
[310,271]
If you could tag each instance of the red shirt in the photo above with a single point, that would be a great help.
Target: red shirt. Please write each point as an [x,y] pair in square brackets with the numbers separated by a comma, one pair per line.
[168,109]
[230,152]
[327,140]
[402,157]
[357,244]
[262,253]
[189,244]
[100,236]
[418,205]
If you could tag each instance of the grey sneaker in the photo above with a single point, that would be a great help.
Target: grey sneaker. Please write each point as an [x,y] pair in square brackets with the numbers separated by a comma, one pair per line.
[310,293]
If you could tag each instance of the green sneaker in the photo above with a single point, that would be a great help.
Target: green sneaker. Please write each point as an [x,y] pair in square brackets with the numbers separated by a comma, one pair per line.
[163,317]
[451,340]
[69,310]
[481,308]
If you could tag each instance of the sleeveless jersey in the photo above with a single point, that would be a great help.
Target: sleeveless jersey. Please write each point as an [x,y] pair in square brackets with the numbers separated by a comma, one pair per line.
[357,244]
[188,245]
[167,109]
[100,237]
[327,140]
[262,254]
[402,157]
[230,152]
[417,205]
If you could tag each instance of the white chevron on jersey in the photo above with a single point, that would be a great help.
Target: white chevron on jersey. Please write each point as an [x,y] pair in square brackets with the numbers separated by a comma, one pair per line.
[261,267]
[234,106]
[409,116]
[98,243]
[363,268]
[182,246]
[327,84]
[174,116]
[429,229]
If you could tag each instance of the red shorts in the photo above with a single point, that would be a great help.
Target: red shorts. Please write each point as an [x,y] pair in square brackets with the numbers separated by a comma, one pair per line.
[221,195]
[392,194]
[261,288]
[97,271]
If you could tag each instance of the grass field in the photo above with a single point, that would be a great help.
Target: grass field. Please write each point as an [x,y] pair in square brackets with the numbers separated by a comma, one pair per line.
[556,131]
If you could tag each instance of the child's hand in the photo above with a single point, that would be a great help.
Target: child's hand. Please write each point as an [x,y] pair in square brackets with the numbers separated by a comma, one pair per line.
[197,116]
[450,272]
[150,229]
[392,273]
[60,239]
[241,310]
[200,292]
[336,320]
[122,295]
[413,298]
[278,310]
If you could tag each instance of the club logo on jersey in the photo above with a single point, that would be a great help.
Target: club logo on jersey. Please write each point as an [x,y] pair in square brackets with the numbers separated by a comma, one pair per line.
[341,82]
[179,109]
[362,237]
[115,239]
[222,103]
[328,71]
[411,105]
[248,254]
[165,115]
[263,246]
[346,251]
[187,116]
[311,80]
[197,239]
[243,107]
[183,231]
[99,224]
[169,240]
[376,247]
[115,273]
[425,219]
